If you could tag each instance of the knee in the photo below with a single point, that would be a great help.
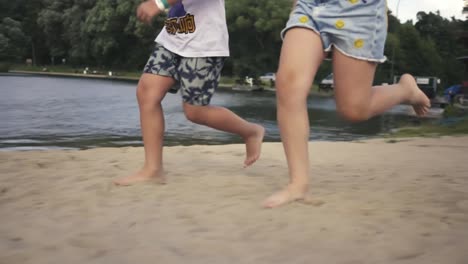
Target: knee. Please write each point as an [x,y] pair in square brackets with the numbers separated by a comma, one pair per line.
[287,80]
[291,88]
[147,95]
[354,112]
[282,78]
[193,113]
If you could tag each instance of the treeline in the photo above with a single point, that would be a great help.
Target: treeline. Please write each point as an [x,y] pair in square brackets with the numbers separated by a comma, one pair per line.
[106,34]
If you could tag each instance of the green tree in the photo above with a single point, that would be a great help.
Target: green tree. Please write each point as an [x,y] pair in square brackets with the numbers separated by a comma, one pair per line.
[27,12]
[12,40]
[77,42]
[51,21]
[444,34]
[106,33]
[254,29]
[116,37]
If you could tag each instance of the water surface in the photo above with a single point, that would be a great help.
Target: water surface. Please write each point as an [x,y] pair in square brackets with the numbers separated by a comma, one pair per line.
[49,112]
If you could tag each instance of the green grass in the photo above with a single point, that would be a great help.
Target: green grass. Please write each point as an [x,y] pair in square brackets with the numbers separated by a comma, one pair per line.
[452,111]
[4,67]
[456,127]
[228,80]
[49,68]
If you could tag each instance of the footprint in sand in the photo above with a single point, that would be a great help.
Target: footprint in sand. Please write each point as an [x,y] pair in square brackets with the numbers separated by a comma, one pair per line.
[408,255]
[426,234]
[313,202]
[41,165]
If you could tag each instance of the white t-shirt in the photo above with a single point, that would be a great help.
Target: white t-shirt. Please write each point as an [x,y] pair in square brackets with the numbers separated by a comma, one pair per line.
[196,28]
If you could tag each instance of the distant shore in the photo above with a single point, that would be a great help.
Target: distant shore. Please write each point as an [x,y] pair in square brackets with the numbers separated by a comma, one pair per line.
[226,82]
[97,76]
[79,75]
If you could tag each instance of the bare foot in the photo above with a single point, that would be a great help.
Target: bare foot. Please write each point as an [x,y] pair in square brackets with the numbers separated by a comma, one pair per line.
[418,99]
[143,175]
[289,194]
[253,145]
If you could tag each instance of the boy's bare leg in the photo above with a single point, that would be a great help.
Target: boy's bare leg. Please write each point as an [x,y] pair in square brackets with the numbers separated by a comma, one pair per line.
[150,92]
[223,119]
[357,100]
[301,55]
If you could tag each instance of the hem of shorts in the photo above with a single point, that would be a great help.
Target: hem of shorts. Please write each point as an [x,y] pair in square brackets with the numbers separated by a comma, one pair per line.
[201,54]
[328,49]
[283,32]
[196,104]
[159,74]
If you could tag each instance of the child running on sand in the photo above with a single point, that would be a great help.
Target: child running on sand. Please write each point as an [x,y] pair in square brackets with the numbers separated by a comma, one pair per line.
[189,55]
[355,32]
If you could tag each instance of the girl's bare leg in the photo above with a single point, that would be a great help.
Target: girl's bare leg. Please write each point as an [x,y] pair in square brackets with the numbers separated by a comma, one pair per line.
[301,55]
[356,98]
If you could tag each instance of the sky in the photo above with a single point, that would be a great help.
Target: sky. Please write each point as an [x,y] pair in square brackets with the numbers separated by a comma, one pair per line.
[409,8]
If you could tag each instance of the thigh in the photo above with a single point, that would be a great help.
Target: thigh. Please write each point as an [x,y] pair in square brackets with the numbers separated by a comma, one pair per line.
[353,79]
[163,63]
[301,55]
[199,78]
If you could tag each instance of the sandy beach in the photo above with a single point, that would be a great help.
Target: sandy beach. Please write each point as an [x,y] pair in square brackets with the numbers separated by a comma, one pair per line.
[377,201]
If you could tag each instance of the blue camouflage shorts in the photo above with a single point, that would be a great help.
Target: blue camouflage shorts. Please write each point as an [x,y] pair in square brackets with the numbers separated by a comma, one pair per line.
[357,28]
[197,78]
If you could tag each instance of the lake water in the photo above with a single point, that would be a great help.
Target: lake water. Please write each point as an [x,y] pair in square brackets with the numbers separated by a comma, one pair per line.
[48,112]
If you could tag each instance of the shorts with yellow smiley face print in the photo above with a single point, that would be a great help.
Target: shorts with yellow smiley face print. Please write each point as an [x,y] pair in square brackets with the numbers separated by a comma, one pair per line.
[357,28]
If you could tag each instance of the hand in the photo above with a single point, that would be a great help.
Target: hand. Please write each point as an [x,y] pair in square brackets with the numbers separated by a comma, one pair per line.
[147,10]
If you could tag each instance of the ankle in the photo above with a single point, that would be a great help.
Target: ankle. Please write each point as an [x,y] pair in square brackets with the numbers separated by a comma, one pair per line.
[256,130]
[151,168]
[302,186]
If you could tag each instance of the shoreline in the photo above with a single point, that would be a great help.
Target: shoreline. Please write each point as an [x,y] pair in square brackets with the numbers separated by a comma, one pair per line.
[407,134]
[450,127]
[76,75]
[95,76]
